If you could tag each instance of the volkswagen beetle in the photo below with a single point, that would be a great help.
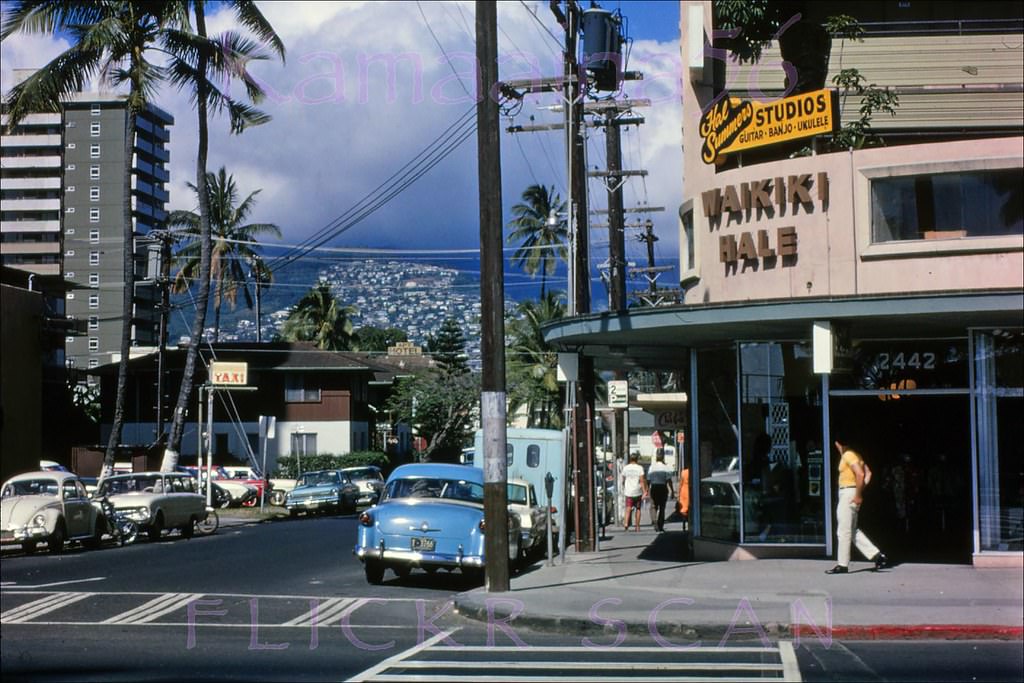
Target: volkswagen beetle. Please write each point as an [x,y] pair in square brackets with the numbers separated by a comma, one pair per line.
[49,506]
[429,516]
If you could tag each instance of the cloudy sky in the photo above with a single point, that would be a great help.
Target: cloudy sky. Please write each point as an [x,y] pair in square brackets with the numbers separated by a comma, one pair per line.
[343,124]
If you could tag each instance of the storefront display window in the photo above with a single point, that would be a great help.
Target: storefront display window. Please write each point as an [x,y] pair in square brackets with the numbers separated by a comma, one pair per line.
[981,203]
[998,405]
[781,426]
[718,445]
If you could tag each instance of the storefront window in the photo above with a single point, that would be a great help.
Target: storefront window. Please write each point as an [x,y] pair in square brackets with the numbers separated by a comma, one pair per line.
[982,203]
[998,404]
[781,424]
[718,445]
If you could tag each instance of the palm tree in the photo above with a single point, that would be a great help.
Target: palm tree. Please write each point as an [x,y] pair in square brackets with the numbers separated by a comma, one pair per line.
[541,231]
[229,55]
[112,40]
[232,252]
[533,364]
[319,318]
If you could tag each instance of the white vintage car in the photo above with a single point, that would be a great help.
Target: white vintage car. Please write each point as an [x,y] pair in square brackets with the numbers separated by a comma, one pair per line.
[156,500]
[48,506]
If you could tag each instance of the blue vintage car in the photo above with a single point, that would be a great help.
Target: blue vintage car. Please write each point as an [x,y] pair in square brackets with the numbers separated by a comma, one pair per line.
[329,490]
[430,516]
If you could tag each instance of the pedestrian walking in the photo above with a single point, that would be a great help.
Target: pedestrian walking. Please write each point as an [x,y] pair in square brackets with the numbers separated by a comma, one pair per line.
[634,488]
[659,478]
[854,475]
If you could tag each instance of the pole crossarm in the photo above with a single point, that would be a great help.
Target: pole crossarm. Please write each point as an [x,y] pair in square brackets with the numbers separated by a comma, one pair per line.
[615,174]
[637,209]
[639,224]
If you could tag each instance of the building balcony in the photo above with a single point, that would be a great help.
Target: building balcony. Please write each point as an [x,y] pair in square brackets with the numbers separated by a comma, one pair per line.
[35,248]
[35,119]
[31,140]
[29,226]
[13,205]
[31,162]
[47,183]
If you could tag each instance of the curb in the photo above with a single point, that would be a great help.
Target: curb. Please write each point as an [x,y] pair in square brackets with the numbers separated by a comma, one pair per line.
[661,633]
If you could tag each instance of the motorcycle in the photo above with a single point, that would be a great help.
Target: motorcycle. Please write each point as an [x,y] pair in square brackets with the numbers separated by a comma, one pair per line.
[122,529]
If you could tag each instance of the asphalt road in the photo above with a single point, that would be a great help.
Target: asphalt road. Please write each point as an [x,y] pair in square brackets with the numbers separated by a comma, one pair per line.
[287,601]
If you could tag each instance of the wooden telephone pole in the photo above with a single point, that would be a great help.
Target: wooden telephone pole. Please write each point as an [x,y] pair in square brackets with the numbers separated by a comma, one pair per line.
[492,303]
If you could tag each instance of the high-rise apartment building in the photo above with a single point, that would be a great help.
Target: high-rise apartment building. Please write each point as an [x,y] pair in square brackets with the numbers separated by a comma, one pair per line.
[62,180]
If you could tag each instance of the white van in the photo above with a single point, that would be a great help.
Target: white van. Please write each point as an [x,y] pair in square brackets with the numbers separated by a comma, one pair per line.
[531,454]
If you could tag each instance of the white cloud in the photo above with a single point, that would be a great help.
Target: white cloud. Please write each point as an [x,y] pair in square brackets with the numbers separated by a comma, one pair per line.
[365,87]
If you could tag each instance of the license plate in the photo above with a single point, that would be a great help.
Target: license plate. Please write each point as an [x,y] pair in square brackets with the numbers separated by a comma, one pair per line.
[422,544]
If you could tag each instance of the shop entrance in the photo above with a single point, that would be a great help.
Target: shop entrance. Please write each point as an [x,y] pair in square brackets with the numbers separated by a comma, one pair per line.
[918,506]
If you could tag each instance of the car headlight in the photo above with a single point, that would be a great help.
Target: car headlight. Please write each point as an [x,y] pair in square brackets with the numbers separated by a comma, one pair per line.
[140,514]
[366,519]
[334,491]
[39,520]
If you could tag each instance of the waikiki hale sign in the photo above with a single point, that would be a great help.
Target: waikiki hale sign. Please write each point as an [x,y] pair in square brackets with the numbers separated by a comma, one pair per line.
[732,125]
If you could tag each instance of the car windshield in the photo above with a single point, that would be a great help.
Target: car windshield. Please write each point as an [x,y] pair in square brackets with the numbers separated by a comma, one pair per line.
[429,487]
[517,494]
[364,473]
[31,487]
[116,486]
[319,479]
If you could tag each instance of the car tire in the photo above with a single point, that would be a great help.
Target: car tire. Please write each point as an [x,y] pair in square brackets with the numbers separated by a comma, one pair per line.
[94,541]
[277,498]
[189,529]
[29,547]
[55,543]
[156,528]
[474,575]
[402,571]
[374,572]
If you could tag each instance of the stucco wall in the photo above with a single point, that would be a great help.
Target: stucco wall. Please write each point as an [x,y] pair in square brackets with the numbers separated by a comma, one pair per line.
[833,255]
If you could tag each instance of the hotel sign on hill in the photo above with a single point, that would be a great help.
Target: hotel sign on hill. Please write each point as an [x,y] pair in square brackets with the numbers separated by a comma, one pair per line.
[732,125]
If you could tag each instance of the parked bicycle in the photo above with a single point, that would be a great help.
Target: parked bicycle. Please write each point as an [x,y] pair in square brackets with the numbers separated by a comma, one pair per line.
[122,529]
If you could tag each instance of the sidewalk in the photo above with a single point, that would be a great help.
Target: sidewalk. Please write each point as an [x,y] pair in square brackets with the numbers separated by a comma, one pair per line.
[643,582]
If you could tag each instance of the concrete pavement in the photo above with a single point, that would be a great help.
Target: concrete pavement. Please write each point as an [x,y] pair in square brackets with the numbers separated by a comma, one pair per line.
[644,584]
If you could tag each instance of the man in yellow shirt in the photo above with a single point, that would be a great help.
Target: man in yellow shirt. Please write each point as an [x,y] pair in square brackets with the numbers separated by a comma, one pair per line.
[854,475]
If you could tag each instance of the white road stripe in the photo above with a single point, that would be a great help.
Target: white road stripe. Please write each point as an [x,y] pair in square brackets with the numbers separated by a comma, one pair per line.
[14,585]
[373,673]
[790,665]
[154,609]
[589,665]
[39,607]
[327,612]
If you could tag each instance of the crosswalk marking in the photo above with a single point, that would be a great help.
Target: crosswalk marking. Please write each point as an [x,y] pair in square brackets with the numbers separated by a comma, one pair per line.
[328,612]
[154,609]
[430,662]
[37,608]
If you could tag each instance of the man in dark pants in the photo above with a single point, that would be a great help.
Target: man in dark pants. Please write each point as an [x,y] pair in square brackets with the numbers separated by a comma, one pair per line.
[659,476]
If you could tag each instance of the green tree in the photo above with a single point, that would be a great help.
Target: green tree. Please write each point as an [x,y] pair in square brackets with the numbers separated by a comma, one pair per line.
[233,256]
[448,348]
[441,407]
[113,40]
[541,232]
[318,317]
[226,57]
[369,338]
[532,367]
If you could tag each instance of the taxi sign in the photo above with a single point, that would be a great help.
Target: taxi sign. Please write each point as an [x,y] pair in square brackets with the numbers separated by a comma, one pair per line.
[229,374]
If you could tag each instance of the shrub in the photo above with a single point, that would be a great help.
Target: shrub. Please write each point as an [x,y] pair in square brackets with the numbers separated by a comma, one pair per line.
[288,466]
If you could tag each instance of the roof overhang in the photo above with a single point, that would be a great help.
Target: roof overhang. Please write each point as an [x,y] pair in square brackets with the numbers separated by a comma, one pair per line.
[653,337]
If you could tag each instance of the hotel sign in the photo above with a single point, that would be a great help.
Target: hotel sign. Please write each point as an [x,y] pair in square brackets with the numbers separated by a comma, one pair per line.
[732,125]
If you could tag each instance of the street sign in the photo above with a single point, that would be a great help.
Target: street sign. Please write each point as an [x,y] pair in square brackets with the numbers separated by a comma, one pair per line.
[229,374]
[618,393]
[670,420]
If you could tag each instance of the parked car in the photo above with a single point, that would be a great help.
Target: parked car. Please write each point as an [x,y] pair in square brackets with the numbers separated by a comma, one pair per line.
[240,492]
[51,506]
[533,532]
[430,516]
[330,490]
[370,481]
[156,500]
[720,506]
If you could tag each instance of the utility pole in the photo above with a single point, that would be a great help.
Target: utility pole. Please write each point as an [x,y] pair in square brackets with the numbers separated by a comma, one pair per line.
[492,301]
